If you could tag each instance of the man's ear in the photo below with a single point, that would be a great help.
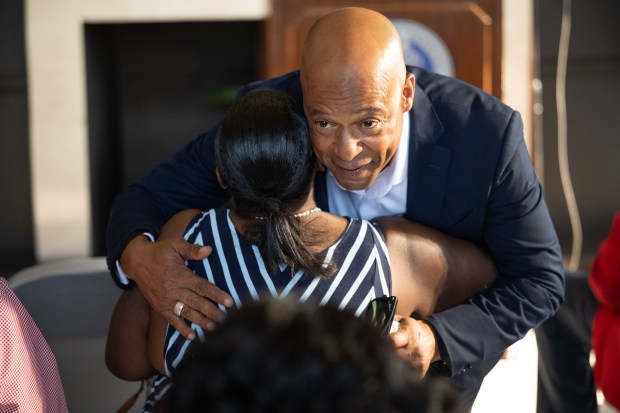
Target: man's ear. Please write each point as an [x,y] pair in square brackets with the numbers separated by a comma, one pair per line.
[408,92]
[219,178]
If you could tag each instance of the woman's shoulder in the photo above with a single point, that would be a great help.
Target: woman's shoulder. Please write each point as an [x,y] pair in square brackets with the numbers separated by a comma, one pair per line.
[372,227]
[199,221]
[189,221]
[175,227]
[364,233]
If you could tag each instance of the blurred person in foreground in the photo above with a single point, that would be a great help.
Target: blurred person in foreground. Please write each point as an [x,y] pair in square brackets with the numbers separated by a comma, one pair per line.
[282,356]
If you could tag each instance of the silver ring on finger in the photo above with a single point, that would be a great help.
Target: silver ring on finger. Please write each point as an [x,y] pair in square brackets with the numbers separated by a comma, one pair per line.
[185,309]
[178,309]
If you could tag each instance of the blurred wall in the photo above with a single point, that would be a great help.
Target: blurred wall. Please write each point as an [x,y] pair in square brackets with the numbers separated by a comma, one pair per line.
[16,232]
[593,110]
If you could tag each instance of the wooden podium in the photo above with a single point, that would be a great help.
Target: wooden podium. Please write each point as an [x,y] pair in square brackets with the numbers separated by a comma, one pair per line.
[471,30]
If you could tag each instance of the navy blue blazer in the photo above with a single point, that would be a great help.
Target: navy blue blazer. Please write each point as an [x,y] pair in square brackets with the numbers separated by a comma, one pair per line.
[470,175]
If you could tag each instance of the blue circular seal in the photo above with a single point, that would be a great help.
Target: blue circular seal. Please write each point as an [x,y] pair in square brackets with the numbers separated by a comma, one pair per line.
[423,47]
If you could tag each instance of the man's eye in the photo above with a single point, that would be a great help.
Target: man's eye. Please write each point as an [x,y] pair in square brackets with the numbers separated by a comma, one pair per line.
[369,123]
[322,123]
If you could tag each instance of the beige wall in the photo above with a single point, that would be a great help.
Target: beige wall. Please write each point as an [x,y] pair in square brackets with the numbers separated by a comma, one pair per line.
[57,100]
[57,97]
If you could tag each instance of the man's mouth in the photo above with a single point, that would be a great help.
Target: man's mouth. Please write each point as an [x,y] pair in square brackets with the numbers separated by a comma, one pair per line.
[352,170]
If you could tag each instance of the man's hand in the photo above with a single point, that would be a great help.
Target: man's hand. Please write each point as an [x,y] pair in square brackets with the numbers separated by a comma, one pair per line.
[159,270]
[415,341]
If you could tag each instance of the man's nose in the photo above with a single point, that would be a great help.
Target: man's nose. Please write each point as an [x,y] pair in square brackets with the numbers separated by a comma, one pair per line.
[348,146]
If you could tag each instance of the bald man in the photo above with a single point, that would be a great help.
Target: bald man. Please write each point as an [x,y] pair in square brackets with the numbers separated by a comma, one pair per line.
[392,140]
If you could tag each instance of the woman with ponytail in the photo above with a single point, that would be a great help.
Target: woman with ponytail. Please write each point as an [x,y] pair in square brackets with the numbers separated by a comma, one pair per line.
[265,159]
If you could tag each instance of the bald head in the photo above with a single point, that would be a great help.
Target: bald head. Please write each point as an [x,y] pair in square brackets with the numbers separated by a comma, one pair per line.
[355,92]
[353,41]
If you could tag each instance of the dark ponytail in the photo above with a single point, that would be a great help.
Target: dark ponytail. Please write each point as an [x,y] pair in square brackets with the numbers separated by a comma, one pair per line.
[264,155]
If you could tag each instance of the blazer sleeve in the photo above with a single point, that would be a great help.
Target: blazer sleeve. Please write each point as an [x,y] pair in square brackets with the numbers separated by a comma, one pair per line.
[520,237]
[187,180]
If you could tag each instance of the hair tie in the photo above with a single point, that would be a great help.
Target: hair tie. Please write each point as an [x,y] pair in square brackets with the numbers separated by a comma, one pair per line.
[270,204]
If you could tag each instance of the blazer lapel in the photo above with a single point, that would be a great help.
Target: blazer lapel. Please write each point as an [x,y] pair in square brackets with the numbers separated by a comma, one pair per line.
[428,162]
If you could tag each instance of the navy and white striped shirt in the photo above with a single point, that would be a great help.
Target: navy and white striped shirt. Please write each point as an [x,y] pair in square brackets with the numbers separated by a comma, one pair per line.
[235,266]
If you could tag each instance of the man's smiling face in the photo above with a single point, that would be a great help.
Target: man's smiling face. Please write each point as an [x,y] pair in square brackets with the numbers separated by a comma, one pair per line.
[355,125]
[355,91]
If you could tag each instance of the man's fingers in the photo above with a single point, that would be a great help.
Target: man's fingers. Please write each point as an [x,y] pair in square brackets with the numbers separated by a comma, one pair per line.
[161,274]
[407,348]
[180,326]
[192,251]
[202,308]
[198,318]
[200,286]
[415,341]
[204,288]
[193,291]
[400,337]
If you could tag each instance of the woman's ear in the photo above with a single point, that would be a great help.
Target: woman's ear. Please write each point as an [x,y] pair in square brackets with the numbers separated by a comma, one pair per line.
[219,178]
